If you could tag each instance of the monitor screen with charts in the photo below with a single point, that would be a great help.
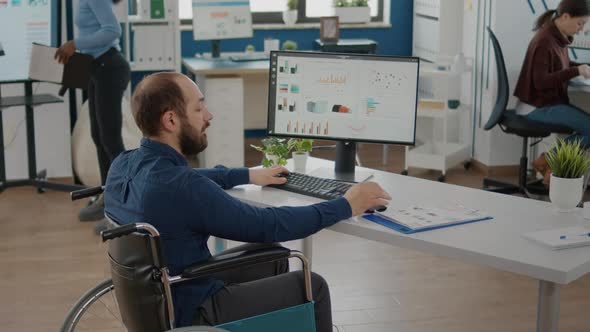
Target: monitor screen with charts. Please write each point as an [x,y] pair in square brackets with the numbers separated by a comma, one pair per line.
[343,97]
[221,19]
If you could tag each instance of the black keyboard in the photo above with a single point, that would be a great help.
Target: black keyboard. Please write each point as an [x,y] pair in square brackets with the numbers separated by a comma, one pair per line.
[248,57]
[313,186]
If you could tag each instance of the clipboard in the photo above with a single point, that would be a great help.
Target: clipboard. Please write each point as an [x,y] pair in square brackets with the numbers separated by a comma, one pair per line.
[43,67]
[406,230]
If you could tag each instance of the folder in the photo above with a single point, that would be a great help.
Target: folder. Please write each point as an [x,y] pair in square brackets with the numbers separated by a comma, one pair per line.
[44,67]
[416,219]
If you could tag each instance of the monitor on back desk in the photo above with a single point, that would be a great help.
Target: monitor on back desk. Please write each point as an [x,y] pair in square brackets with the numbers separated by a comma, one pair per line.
[348,98]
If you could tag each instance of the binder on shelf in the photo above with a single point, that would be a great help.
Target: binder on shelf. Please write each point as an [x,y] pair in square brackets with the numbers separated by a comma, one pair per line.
[419,219]
[44,67]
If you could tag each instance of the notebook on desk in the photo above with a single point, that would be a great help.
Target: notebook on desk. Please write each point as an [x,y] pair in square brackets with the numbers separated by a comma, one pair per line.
[561,238]
[420,218]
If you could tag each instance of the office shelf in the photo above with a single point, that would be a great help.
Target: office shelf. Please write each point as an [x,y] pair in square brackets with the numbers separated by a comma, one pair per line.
[436,27]
[438,154]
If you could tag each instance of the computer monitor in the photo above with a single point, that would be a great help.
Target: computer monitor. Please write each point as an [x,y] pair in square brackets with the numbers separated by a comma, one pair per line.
[348,98]
[221,19]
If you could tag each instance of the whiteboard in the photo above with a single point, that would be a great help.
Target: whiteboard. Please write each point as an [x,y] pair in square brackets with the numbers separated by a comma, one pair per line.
[24,22]
[221,19]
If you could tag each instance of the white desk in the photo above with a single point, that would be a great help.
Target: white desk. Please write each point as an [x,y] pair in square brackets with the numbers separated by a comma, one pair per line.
[497,243]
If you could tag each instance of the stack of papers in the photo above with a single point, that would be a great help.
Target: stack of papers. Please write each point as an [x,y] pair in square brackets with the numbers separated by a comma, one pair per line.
[419,218]
[561,238]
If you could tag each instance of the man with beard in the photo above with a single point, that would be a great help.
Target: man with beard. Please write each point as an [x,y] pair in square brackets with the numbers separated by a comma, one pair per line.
[154,184]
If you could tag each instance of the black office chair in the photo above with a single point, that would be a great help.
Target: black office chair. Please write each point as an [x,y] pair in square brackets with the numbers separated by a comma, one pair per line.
[519,125]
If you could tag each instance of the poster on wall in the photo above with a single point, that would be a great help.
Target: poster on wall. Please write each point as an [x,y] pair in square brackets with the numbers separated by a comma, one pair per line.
[30,21]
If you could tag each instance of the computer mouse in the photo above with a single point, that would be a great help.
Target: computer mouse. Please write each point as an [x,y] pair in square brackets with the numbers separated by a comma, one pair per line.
[379,208]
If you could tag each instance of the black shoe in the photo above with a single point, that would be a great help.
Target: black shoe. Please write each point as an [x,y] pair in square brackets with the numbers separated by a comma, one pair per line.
[93,212]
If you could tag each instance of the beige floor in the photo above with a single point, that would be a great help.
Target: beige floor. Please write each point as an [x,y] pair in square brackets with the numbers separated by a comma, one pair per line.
[48,259]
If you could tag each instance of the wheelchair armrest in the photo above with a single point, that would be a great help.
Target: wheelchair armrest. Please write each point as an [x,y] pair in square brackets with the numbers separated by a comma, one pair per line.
[250,255]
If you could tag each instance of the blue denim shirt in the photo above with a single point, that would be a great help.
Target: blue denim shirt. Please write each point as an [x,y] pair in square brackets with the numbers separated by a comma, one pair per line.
[153,184]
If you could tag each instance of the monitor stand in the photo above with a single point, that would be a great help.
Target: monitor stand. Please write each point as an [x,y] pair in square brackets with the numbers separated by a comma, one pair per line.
[215,48]
[215,52]
[344,169]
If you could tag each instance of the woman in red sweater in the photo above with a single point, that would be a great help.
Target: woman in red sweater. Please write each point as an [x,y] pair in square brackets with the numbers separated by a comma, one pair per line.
[543,82]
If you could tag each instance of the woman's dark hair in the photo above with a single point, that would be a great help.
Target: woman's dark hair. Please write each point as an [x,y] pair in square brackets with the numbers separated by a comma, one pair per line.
[575,8]
[116,1]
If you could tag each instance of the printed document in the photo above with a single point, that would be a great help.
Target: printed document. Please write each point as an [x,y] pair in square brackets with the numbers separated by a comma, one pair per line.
[420,217]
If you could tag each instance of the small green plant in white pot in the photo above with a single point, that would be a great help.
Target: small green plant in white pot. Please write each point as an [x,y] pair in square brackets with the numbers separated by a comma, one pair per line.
[290,15]
[569,163]
[276,151]
[289,45]
[301,149]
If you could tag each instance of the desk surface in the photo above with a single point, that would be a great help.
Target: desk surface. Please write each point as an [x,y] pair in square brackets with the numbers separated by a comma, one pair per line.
[224,66]
[496,243]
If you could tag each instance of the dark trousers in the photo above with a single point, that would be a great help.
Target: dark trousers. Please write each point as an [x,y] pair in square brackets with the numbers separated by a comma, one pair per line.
[246,294]
[109,79]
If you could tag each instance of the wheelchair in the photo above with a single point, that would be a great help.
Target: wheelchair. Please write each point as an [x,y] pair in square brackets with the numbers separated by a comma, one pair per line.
[138,295]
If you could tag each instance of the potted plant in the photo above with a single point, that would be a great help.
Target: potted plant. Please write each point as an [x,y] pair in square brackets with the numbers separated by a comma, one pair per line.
[352,11]
[290,15]
[276,151]
[569,163]
[301,148]
[289,45]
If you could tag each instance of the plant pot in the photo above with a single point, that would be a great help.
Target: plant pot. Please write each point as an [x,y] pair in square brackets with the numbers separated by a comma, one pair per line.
[290,16]
[566,193]
[273,158]
[300,161]
[353,14]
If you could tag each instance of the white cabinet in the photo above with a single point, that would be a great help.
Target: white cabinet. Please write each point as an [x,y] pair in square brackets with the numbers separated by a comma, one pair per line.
[437,29]
[437,39]
[156,41]
[225,100]
[439,143]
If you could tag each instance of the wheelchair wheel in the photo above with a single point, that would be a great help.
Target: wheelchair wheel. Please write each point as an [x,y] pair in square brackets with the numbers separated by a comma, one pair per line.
[96,310]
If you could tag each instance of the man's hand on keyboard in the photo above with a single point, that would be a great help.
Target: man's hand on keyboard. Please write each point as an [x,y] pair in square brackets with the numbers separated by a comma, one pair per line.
[266,176]
[365,196]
